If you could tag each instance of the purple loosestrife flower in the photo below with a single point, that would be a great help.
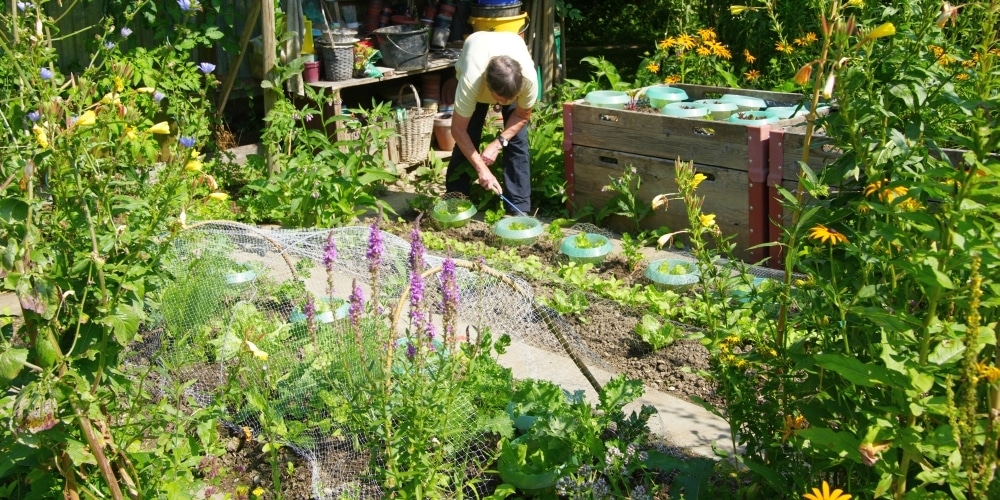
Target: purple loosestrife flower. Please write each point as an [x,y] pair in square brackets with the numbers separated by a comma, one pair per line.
[329,257]
[45,73]
[417,250]
[34,116]
[375,248]
[186,141]
[416,298]
[206,67]
[411,350]
[449,298]
[357,304]
[126,31]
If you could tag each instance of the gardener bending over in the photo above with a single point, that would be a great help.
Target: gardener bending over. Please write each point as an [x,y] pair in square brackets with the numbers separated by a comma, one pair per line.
[494,68]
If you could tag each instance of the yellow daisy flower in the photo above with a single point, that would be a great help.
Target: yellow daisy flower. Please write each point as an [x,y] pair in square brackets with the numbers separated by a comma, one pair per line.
[825,493]
[783,48]
[707,220]
[653,67]
[706,34]
[257,353]
[40,136]
[752,75]
[792,424]
[988,372]
[703,51]
[811,37]
[824,234]
[667,43]
[697,179]
[748,56]
[86,119]
[162,128]
[672,79]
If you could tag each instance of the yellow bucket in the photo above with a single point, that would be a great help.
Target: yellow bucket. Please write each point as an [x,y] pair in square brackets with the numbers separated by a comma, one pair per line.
[514,24]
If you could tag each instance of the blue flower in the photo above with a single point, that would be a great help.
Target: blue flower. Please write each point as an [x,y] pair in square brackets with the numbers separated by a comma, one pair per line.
[206,67]
[34,116]
[158,96]
[45,73]
[185,5]
[109,45]
[126,31]
[187,142]
[23,6]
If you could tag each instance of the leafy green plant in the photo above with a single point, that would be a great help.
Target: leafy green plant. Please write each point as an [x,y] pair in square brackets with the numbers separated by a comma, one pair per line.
[319,181]
[659,334]
[574,303]
[625,201]
[103,165]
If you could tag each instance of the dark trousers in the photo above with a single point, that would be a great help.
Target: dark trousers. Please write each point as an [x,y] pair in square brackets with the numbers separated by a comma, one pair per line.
[516,162]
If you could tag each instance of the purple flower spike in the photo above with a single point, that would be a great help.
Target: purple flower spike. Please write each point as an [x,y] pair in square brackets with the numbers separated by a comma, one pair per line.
[411,350]
[375,248]
[206,67]
[329,252]
[417,250]
[357,304]
[187,142]
[34,116]
[45,73]
[126,31]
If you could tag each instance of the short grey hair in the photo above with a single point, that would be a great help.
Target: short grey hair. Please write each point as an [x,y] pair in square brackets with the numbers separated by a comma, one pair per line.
[503,76]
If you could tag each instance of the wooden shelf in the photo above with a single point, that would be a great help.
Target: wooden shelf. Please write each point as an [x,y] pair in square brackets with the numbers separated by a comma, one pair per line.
[436,61]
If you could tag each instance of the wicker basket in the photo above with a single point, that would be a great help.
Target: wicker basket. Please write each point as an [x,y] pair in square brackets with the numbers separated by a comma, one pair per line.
[338,61]
[414,129]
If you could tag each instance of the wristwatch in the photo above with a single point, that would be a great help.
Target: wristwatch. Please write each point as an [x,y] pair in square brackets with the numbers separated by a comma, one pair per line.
[503,141]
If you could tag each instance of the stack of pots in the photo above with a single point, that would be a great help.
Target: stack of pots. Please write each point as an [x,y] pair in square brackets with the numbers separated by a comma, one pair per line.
[442,24]
[373,14]
[498,15]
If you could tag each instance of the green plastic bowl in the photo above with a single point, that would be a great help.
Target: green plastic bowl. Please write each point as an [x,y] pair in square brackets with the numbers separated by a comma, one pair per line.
[589,255]
[753,118]
[607,99]
[661,95]
[511,236]
[786,112]
[667,280]
[720,110]
[444,212]
[745,103]
[685,110]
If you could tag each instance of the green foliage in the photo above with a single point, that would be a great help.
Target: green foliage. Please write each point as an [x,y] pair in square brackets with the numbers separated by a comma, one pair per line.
[659,334]
[625,200]
[100,181]
[574,303]
[584,445]
[320,182]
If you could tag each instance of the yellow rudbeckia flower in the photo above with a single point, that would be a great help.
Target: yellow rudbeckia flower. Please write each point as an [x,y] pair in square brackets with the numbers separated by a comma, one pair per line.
[826,494]
[824,234]
[162,128]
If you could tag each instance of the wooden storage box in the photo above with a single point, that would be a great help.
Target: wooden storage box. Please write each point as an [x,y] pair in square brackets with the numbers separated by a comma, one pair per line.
[735,155]
[726,191]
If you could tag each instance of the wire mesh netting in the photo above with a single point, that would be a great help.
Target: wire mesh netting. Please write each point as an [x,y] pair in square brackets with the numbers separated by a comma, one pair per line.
[263,322]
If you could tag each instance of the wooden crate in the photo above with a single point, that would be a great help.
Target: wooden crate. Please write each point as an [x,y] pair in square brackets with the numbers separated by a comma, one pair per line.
[726,191]
[731,151]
